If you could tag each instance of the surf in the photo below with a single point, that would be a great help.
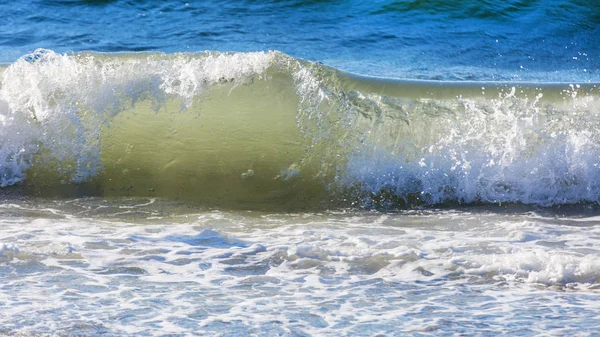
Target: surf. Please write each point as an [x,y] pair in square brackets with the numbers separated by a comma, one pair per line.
[262,129]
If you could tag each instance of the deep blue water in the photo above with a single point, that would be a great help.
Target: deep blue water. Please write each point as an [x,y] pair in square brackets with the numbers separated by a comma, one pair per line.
[517,40]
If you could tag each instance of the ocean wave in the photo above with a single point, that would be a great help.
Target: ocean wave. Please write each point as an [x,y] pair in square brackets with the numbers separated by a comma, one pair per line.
[265,128]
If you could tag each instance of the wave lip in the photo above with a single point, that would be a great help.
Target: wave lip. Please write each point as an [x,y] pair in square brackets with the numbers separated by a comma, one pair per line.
[265,128]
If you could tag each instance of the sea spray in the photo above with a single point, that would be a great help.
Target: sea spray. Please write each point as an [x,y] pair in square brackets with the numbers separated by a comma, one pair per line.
[259,128]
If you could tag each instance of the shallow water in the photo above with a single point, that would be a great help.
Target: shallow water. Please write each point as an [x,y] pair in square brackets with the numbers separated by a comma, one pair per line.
[150,267]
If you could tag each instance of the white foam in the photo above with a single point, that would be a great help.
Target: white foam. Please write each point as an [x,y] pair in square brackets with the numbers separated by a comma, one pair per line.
[541,266]
[335,273]
[509,149]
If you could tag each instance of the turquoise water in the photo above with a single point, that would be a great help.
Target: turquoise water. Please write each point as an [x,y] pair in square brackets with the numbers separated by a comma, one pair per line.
[299,168]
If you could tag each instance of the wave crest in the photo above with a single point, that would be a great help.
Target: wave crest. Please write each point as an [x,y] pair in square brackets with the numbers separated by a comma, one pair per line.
[265,127]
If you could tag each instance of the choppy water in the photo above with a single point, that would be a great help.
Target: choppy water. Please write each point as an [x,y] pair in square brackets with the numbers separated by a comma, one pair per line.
[290,168]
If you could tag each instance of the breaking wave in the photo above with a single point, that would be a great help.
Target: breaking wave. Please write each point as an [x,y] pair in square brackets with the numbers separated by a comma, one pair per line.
[264,128]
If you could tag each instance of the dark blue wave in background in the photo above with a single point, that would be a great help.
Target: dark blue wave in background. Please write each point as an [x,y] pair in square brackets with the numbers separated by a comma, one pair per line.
[524,40]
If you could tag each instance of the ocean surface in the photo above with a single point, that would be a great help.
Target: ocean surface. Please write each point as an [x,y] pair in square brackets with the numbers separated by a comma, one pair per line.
[300,168]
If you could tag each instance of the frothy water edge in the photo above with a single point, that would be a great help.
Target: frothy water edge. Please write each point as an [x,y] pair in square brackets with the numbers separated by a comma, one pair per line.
[334,273]
[429,272]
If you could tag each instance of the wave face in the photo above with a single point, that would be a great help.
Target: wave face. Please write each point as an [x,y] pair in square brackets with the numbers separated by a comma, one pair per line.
[265,128]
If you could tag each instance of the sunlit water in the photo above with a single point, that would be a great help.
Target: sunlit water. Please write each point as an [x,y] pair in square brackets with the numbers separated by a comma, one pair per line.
[202,168]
